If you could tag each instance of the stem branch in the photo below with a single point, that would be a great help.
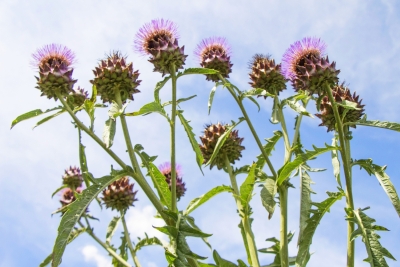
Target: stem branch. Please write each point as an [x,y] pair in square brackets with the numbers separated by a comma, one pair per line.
[128,240]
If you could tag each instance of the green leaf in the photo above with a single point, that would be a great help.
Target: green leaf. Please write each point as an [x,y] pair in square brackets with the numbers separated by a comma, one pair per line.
[158,87]
[267,194]
[246,189]
[255,92]
[268,148]
[198,71]
[241,263]
[49,118]
[293,104]
[109,132]
[75,211]
[192,139]
[287,169]
[335,161]
[211,97]
[304,243]
[305,200]
[180,100]
[197,202]
[383,179]
[46,261]
[366,229]
[148,241]
[190,220]
[348,105]
[222,262]
[222,140]
[254,101]
[160,184]
[114,111]
[59,189]
[244,237]
[275,249]
[87,177]
[32,114]
[275,112]
[379,124]
[149,108]
[123,248]
[111,229]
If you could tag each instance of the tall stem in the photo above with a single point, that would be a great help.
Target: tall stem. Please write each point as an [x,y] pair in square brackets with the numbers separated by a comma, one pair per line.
[285,133]
[139,178]
[129,241]
[246,117]
[344,152]
[245,218]
[297,129]
[173,154]
[104,245]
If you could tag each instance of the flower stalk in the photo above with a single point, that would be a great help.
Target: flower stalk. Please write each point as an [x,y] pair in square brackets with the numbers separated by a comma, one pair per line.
[128,240]
[173,152]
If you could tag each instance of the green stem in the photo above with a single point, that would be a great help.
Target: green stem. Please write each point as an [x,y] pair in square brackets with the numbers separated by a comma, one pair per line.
[284,131]
[173,152]
[246,117]
[344,152]
[283,201]
[104,245]
[297,129]
[129,241]
[245,218]
[139,178]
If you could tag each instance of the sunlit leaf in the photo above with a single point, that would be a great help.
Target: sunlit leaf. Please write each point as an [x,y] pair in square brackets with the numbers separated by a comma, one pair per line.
[148,241]
[197,202]
[246,189]
[49,118]
[379,124]
[149,108]
[267,194]
[32,114]
[198,71]
[109,132]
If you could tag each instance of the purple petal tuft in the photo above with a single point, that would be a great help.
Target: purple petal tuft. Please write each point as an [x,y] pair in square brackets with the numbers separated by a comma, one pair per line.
[210,42]
[165,168]
[52,51]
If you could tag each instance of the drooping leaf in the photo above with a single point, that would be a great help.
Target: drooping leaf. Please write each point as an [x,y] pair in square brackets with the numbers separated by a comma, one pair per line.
[335,161]
[75,211]
[109,132]
[287,169]
[383,179]
[149,108]
[147,241]
[32,114]
[222,140]
[246,189]
[303,255]
[366,229]
[222,262]
[198,71]
[267,194]
[305,201]
[379,124]
[211,97]
[111,229]
[192,139]
[255,102]
[158,87]
[197,202]
[49,118]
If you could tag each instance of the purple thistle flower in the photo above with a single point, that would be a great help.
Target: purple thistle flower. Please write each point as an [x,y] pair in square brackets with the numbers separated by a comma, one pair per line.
[158,28]
[295,55]
[214,53]
[165,169]
[53,52]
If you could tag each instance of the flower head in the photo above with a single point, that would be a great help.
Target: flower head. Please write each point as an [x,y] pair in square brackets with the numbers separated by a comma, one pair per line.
[214,53]
[266,75]
[119,195]
[77,97]
[165,169]
[159,39]
[68,195]
[305,65]
[55,71]
[232,147]
[72,177]
[114,73]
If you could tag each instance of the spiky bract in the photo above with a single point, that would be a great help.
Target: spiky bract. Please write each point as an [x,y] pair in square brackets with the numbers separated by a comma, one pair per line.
[114,73]
[214,53]
[68,196]
[305,65]
[165,169]
[77,97]
[159,38]
[340,93]
[55,71]
[119,195]
[232,147]
[73,177]
[266,75]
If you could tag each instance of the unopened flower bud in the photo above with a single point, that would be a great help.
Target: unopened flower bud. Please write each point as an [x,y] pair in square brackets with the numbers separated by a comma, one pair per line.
[119,195]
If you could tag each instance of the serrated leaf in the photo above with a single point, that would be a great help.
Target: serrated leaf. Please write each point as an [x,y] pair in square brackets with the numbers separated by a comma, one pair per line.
[160,184]
[255,92]
[158,87]
[148,241]
[180,100]
[246,189]
[149,108]
[383,179]
[222,262]
[267,194]
[190,220]
[192,139]
[379,124]
[287,169]
[366,229]
[32,114]
[222,140]
[197,202]
[109,132]
[198,71]
[305,201]
[111,229]
[187,230]
[211,97]
[87,177]
[304,243]
[123,248]
[335,161]
[75,211]
[48,118]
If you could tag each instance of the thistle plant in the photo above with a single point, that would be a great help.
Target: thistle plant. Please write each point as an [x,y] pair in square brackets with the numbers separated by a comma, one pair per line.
[305,66]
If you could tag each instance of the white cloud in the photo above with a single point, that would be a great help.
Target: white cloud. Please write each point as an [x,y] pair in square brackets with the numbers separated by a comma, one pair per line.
[91,254]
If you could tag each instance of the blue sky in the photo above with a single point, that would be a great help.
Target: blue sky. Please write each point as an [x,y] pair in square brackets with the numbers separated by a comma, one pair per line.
[363,37]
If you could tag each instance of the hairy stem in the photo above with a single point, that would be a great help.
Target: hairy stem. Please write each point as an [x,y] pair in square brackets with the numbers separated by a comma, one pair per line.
[245,218]
[129,241]
[344,152]
[89,230]
[173,154]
